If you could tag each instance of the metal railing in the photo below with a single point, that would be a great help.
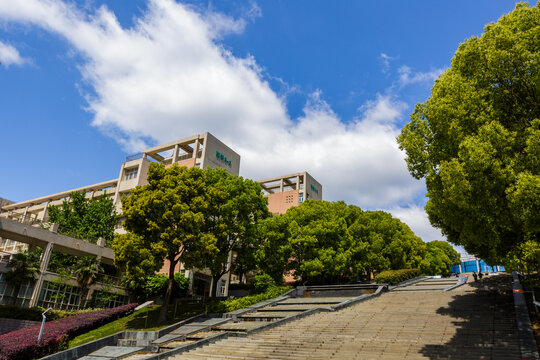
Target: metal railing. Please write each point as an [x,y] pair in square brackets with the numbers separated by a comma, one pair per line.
[27,219]
[134,157]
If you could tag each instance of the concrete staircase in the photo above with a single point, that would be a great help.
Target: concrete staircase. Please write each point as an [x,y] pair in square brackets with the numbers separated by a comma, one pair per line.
[468,322]
[433,284]
[197,332]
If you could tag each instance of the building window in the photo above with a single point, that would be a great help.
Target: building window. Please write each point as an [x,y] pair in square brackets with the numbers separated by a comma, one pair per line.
[301,198]
[131,173]
[289,199]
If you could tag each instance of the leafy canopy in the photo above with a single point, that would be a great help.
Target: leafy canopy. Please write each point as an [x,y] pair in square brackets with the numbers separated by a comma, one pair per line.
[476,140]
[235,205]
[89,218]
[166,220]
[330,242]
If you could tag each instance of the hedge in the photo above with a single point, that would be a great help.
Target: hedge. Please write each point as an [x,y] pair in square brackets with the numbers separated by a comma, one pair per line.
[394,277]
[22,344]
[34,313]
[246,301]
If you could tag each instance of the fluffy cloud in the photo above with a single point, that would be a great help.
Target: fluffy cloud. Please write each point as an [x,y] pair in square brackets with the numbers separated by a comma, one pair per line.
[408,77]
[417,219]
[167,77]
[10,56]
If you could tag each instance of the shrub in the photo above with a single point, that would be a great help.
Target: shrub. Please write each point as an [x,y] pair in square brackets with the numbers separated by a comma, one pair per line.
[22,344]
[34,313]
[263,282]
[246,301]
[181,284]
[394,277]
[155,285]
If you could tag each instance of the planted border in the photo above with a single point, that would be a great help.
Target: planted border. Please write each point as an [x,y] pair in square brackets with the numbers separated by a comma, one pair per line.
[394,277]
[22,344]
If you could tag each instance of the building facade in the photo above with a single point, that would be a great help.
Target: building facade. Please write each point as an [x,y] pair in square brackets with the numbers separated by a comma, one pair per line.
[203,151]
[284,192]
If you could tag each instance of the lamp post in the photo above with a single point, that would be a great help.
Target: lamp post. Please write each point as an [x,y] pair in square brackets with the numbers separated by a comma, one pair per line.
[42,325]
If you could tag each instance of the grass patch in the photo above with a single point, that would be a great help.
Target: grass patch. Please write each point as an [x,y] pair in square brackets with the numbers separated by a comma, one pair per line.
[224,306]
[144,319]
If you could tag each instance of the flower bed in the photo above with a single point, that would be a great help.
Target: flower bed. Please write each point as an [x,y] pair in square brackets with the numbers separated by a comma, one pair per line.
[22,344]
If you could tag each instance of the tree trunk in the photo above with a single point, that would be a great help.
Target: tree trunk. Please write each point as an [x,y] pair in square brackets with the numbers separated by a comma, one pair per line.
[84,295]
[167,298]
[240,277]
[215,280]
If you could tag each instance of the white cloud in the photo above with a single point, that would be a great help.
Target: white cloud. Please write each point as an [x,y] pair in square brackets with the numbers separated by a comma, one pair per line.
[386,62]
[418,221]
[10,56]
[407,77]
[168,77]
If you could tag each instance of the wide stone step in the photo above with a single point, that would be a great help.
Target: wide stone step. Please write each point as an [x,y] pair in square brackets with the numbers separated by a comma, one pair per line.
[200,335]
[189,329]
[270,315]
[241,326]
[133,342]
[113,352]
[292,307]
[174,344]
[318,300]
[167,338]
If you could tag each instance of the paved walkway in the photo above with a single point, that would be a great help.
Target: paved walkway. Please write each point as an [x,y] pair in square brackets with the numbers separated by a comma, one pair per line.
[474,321]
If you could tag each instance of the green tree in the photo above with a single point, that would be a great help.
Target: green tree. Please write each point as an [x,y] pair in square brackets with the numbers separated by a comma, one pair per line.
[382,242]
[89,218]
[86,269]
[234,206]
[273,253]
[168,215]
[137,259]
[320,241]
[23,268]
[476,140]
[439,257]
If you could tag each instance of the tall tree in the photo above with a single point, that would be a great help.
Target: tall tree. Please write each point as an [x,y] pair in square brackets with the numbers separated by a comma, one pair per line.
[168,215]
[320,241]
[23,268]
[439,257]
[234,206]
[476,140]
[90,218]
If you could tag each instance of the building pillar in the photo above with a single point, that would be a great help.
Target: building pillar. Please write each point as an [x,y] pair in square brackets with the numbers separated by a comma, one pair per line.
[25,213]
[117,191]
[297,182]
[281,185]
[196,149]
[477,266]
[44,214]
[205,145]
[45,257]
[175,154]
[460,268]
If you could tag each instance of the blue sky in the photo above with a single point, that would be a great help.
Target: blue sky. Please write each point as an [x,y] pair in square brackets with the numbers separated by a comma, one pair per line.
[290,85]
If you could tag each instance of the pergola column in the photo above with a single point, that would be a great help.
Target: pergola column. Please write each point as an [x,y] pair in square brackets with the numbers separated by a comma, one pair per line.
[175,154]
[196,148]
[44,264]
